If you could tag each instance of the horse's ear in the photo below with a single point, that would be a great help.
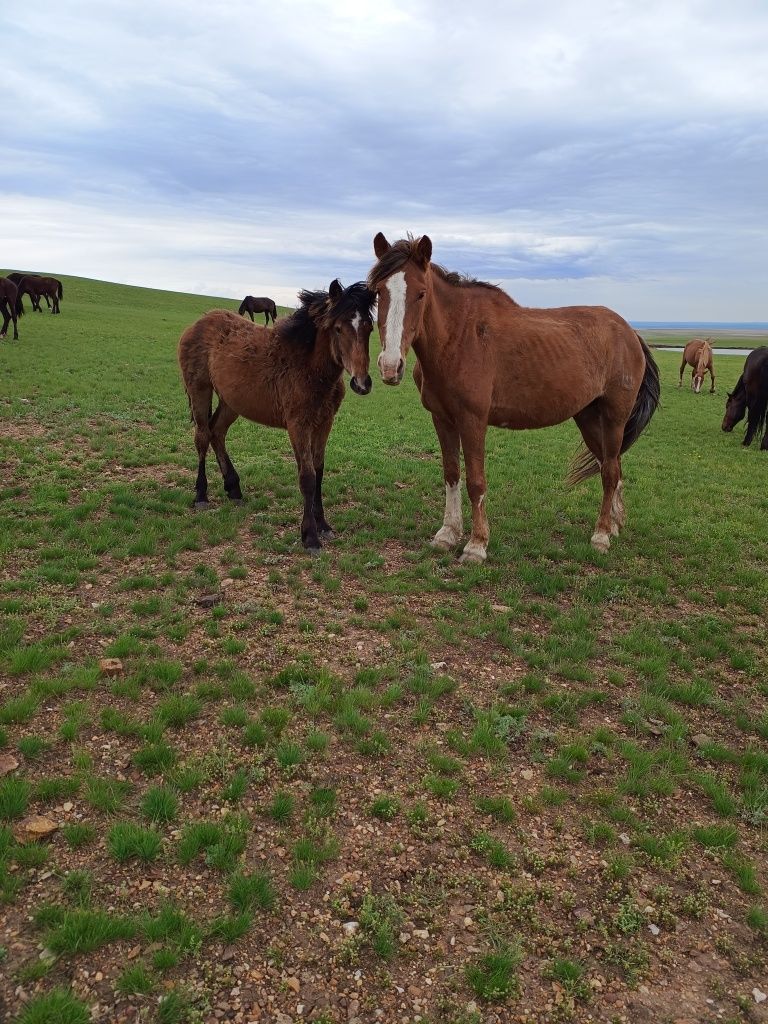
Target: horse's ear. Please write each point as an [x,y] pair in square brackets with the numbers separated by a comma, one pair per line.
[335,290]
[380,245]
[424,250]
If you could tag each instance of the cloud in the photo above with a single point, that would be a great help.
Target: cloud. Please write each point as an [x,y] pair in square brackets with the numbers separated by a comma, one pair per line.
[246,146]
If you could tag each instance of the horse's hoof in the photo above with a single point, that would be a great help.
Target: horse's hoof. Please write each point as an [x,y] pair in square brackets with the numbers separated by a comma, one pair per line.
[600,542]
[444,540]
[201,506]
[473,554]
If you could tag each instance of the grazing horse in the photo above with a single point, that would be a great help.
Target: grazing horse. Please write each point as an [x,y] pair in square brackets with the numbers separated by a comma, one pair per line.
[289,377]
[698,354]
[35,287]
[483,360]
[750,396]
[8,301]
[251,305]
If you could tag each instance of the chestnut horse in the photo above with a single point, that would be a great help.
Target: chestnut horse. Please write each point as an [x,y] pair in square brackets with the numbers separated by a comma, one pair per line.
[698,354]
[289,377]
[750,396]
[251,305]
[484,360]
[36,286]
[8,306]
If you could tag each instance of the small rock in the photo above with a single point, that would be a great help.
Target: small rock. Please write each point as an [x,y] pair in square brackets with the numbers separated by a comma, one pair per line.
[110,666]
[226,583]
[438,666]
[500,608]
[35,827]
[758,995]
[208,600]
[654,929]
[294,984]
[351,927]
[527,774]
[8,763]
[67,806]
[700,740]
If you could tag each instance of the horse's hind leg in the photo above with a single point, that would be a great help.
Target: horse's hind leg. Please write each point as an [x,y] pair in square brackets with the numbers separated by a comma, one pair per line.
[682,371]
[712,375]
[603,436]
[449,534]
[221,421]
[200,404]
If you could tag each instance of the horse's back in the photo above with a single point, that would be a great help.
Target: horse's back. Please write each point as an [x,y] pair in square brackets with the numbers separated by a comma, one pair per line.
[232,356]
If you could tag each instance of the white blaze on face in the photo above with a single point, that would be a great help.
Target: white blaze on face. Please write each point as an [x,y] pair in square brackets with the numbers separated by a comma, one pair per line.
[356,322]
[389,359]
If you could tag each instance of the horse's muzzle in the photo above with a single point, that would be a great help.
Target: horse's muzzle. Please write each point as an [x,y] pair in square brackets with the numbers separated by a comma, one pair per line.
[362,387]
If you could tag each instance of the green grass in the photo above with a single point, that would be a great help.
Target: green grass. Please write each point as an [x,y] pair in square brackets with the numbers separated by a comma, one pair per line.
[57,1007]
[465,731]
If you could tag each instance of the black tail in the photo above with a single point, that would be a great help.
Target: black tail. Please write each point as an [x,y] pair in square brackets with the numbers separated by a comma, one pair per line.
[757,408]
[242,309]
[585,464]
[61,289]
[19,304]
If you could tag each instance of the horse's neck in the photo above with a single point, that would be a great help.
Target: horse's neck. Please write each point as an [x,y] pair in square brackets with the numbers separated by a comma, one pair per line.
[439,328]
[325,367]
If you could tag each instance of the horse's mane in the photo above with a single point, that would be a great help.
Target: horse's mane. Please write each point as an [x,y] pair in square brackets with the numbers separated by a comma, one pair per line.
[400,252]
[316,310]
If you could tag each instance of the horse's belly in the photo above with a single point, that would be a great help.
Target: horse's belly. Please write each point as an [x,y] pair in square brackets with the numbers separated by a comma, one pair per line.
[249,398]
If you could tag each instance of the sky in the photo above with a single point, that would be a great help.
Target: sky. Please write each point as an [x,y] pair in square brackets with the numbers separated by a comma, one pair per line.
[603,151]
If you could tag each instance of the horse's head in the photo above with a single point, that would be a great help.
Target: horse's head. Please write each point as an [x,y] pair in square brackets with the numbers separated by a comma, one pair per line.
[735,406]
[348,319]
[401,282]
[702,365]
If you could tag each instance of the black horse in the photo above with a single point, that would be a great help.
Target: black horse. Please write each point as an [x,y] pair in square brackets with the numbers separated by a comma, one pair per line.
[35,286]
[8,299]
[750,396]
[251,305]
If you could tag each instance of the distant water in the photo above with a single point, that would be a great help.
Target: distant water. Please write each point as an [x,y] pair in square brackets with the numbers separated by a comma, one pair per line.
[700,325]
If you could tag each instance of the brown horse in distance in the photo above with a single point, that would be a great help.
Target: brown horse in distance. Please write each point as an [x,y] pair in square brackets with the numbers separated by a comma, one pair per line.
[289,377]
[750,397]
[36,286]
[8,299]
[483,361]
[698,354]
[251,305]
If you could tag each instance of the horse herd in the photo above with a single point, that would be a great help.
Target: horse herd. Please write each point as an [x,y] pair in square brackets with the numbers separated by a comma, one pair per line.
[15,286]
[482,360]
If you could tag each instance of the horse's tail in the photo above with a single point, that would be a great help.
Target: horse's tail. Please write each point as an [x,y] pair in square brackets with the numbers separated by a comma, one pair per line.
[241,311]
[757,410]
[586,464]
[273,311]
[19,303]
[60,289]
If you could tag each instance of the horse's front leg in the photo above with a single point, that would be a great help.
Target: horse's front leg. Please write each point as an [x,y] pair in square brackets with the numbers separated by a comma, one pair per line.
[449,534]
[302,449]
[473,443]
[318,451]
[712,375]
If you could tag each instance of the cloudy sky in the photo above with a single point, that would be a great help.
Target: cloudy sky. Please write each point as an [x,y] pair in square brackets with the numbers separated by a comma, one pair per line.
[602,151]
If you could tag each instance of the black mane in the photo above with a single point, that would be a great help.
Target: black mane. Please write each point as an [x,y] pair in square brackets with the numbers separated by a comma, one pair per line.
[316,310]
[400,252]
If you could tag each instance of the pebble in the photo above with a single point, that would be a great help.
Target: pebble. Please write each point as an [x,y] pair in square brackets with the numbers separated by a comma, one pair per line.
[351,927]
[758,995]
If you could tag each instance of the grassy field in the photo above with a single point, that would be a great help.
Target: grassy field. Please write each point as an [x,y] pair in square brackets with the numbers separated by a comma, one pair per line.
[374,785]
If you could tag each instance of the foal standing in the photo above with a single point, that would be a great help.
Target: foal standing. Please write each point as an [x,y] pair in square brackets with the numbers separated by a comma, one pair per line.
[290,376]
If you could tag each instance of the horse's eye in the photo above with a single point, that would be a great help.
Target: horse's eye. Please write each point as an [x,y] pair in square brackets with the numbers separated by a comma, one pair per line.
[420,296]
